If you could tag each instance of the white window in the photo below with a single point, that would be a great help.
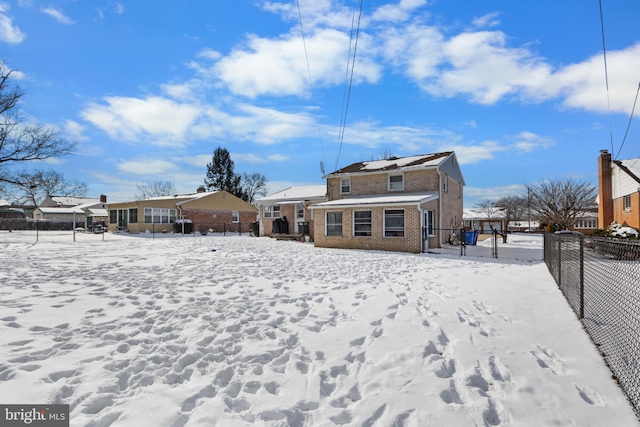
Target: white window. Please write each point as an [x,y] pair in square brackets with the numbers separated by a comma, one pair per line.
[299,212]
[459,190]
[159,216]
[626,201]
[396,182]
[345,186]
[394,223]
[235,217]
[271,211]
[362,223]
[445,181]
[333,224]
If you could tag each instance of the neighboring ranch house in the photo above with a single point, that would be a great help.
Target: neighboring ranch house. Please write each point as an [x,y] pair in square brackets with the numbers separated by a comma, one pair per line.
[407,204]
[484,220]
[618,191]
[83,210]
[292,203]
[217,210]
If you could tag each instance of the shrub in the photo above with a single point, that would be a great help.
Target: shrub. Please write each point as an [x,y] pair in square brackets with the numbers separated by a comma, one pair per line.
[618,231]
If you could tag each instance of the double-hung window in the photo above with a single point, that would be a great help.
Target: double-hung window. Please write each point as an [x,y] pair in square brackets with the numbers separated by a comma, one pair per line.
[394,223]
[133,215]
[159,216]
[396,182]
[345,185]
[272,211]
[333,224]
[234,216]
[362,223]
[626,201]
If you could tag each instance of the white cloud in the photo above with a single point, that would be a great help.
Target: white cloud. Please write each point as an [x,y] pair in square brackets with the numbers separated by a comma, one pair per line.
[469,154]
[155,120]
[528,142]
[488,20]
[9,32]
[278,67]
[492,193]
[57,15]
[146,167]
[398,12]
[75,130]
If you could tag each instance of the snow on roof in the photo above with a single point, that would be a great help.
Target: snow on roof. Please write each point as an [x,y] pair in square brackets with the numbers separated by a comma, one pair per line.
[633,165]
[401,163]
[300,192]
[480,213]
[184,197]
[4,203]
[73,201]
[98,212]
[54,210]
[381,199]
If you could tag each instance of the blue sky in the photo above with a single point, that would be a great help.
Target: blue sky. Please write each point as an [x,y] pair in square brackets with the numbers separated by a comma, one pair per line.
[149,89]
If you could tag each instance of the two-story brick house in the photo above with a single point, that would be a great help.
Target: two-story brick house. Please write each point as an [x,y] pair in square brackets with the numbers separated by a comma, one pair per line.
[618,191]
[406,204]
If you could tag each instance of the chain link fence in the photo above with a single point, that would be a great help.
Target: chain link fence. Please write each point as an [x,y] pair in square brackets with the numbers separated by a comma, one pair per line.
[600,277]
[518,246]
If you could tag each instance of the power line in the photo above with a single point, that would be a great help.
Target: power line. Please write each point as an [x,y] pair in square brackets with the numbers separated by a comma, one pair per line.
[353,63]
[306,55]
[606,75]
[626,132]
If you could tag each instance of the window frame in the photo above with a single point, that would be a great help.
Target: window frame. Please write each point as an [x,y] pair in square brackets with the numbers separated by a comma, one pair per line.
[235,216]
[626,202]
[355,231]
[430,223]
[269,211]
[445,183]
[133,215]
[335,225]
[160,214]
[386,230]
[348,185]
[390,185]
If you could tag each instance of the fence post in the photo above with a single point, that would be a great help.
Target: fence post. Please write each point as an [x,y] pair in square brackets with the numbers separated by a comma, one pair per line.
[581,277]
[559,261]
[495,244]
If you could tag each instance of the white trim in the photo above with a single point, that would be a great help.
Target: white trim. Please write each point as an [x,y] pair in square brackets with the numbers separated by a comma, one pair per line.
[404,223]
[326,223]
[353,222]
[394,174]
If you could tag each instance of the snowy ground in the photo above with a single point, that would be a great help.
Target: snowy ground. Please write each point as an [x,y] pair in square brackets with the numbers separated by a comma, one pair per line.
[134,331]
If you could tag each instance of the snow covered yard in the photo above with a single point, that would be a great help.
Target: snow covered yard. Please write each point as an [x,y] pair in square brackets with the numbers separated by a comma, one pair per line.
[134,331]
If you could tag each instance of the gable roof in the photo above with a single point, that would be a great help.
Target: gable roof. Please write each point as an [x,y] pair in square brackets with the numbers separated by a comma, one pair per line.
[297,193]
[631,167]
[445,161]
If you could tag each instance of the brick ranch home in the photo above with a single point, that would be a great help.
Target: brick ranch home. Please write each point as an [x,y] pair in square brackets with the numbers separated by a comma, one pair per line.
[210,210]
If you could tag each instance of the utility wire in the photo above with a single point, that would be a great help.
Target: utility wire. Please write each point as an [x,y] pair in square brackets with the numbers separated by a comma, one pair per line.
[346,85]
[626,132]
[353,63]
[306,55]
[606,75]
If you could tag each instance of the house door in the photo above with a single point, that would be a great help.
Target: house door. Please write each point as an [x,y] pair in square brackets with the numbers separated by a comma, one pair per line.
[299,226]
[123,219]
[427,229]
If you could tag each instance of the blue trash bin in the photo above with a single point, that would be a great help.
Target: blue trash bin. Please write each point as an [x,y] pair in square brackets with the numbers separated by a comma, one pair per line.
[471,237]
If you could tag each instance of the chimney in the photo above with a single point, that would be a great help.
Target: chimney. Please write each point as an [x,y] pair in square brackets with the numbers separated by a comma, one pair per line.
[605,195]
[103,198]
[201,189]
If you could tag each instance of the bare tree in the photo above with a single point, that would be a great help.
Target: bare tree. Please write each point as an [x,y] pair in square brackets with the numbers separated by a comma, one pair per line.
[154,189]
[253,185]
[514,208]
[562,203]
[21,141]
[37,184]
[494,214]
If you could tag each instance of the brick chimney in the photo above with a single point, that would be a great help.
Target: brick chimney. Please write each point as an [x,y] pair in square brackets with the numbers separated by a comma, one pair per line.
[103,198]
[201,189]
[605,196]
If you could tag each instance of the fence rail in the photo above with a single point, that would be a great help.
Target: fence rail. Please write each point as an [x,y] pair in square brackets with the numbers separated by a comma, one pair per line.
[518,246]
[600,278]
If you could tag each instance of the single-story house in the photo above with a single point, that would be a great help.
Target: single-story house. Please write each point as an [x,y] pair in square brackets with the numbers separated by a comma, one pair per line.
[217,210]
[83,210]
[292,204]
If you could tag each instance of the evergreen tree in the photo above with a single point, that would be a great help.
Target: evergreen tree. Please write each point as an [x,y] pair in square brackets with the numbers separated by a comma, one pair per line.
[221,175]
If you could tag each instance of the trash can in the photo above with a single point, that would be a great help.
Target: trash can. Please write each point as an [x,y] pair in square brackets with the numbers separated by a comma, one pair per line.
[284,225]
[276,226]
[303,227]
[471,237]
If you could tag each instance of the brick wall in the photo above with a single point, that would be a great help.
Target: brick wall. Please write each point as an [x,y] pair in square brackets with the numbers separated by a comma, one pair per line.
[378,183]
[629,217]
[605,204]
[410,243]
[217,219]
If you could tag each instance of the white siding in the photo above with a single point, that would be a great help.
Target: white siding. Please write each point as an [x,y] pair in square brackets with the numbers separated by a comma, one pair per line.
[622,184]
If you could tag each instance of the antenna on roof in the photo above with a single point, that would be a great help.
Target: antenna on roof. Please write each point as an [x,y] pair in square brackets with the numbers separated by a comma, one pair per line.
[322,167]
